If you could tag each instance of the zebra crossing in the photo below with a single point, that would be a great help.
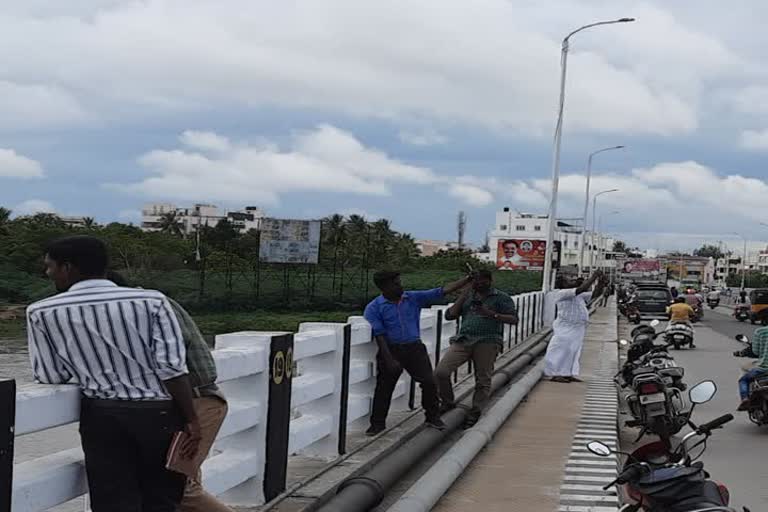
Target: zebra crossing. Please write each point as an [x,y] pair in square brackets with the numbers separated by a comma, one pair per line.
[585,473]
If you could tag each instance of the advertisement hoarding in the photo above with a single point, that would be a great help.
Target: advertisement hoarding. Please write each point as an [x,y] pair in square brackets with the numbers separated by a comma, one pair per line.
[289,241]
[640,266]
[520,254]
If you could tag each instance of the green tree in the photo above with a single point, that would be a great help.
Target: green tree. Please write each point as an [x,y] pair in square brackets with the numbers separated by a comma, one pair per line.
[709,251]
[170,224]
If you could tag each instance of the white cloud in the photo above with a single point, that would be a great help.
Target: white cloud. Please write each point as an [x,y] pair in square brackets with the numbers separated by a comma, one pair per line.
[33,206]
[495,65]
[14,165]
[26,106]
[425,137]
[472,195]
[754,140]
[205,141]
[326,159]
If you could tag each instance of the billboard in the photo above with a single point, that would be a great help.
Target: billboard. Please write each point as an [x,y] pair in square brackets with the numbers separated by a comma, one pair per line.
[518,254]
[289,241]
[640,266]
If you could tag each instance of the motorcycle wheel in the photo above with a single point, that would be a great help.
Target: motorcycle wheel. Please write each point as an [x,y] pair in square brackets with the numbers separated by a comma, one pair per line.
[753,321]
[676,344]
[764,321]
[740,319]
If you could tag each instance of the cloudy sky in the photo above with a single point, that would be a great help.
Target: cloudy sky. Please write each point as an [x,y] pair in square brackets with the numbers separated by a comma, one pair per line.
[399,109]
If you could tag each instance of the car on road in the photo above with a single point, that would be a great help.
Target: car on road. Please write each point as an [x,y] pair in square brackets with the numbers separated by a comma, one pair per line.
[653,300]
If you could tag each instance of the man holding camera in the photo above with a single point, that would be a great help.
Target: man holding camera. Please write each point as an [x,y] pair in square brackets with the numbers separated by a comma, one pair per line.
[483,310]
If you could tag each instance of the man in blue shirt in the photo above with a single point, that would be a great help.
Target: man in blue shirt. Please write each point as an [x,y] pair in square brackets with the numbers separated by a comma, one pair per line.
[395,319]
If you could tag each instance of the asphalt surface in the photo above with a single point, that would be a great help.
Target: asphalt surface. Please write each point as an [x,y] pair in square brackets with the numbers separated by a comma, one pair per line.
[737,454]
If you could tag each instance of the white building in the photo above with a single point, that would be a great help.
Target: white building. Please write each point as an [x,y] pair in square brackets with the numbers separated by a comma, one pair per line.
[189,219]
[528,226]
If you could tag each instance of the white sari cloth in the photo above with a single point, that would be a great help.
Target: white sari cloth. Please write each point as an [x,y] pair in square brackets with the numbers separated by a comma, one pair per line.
[570,327]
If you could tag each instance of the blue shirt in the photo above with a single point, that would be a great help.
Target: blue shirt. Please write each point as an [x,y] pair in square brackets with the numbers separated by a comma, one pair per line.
[400,321]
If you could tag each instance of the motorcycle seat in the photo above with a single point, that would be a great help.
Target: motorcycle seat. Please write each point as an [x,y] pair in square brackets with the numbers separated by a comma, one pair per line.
[662,478]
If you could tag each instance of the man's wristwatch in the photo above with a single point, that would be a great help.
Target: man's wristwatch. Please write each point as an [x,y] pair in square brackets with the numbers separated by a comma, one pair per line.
[495,316]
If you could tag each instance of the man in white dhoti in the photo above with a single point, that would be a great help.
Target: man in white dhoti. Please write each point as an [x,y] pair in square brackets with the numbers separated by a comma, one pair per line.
[570,326]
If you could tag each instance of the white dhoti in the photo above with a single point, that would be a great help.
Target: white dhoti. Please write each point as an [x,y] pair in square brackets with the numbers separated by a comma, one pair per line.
[564,350]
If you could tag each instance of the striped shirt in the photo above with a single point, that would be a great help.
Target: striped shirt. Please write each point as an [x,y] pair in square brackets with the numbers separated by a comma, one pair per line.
[116,343]
[571,308]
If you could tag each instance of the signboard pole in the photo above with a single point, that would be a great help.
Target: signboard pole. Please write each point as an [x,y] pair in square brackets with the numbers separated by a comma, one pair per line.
[278,415]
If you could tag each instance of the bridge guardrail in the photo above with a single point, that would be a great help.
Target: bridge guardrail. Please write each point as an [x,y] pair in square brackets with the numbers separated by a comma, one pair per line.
[288,393]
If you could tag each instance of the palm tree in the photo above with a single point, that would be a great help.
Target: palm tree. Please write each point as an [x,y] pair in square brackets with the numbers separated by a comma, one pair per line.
[89,222]
[170,224]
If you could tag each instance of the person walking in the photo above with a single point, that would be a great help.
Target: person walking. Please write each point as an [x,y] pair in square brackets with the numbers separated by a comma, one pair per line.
[209,402]
[124,348]
[483,310]
[395,321]
[570,327]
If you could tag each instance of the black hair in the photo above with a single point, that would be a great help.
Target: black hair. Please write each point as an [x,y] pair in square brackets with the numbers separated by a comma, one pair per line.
[87,254]
[485,273]
[384,277]
[680,299]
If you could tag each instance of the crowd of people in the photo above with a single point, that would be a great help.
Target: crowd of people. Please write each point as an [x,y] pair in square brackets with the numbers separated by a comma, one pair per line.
[148,378]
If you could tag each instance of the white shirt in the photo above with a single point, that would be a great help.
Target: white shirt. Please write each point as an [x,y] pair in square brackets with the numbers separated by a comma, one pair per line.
[571,308]
[116,343]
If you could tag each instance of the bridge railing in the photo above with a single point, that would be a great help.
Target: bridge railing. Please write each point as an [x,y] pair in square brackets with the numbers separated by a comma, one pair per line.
[288,393]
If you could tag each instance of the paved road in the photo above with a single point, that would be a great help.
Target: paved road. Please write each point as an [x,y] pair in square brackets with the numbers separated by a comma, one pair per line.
[737,454]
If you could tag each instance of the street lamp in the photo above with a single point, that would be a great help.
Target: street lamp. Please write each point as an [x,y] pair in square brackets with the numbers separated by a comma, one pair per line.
[743,261]
[586,202]
[594,225]
[546,285]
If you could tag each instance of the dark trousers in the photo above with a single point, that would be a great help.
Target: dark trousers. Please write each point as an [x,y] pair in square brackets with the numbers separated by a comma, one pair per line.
[414,359]
[125,449]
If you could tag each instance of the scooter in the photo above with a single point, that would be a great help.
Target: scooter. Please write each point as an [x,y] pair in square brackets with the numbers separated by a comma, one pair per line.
[658,479]
[713,303]
[741,312]
[758,388]
[679,334]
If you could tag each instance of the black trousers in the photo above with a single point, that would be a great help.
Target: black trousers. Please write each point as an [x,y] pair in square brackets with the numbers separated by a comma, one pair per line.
[125,447]
[414,359]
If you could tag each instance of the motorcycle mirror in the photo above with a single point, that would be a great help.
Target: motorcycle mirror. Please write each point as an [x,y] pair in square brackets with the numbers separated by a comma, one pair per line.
[623,342]
[654,323]
[742,338]
[702,392]
[598,448]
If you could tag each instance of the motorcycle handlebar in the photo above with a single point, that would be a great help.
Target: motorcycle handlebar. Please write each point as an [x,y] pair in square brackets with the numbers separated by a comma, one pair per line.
[715,423]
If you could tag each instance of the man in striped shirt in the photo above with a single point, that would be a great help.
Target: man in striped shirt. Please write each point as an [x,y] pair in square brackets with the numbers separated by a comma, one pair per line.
[124,348]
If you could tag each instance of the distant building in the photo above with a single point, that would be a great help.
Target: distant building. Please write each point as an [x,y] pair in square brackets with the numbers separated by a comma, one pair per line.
[432,247]
[189,219]
[74,221]
[529,226]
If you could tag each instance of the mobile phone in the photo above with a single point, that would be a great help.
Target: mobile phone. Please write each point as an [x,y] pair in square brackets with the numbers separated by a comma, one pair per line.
[469,268]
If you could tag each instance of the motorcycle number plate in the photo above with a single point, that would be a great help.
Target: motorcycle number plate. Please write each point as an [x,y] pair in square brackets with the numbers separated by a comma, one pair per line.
[678,337]
[652,399]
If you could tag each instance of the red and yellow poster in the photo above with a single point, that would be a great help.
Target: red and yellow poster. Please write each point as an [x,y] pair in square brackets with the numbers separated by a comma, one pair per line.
[516,254]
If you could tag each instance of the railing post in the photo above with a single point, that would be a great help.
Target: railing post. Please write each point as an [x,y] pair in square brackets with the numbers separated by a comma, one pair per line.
[438,336]
[278,414]
[7,428]
[533,315]
[344,402]
[519,320]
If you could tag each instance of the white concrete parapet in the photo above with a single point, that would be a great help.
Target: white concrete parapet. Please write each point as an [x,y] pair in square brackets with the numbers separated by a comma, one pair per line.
[235,469]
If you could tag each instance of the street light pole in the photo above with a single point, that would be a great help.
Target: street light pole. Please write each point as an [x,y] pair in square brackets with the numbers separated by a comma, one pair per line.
[594,225]
[743,261]
[586,203]
[547,278]
[601,251]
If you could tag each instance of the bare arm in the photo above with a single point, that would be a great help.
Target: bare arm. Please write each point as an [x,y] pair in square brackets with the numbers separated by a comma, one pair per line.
[453,312]
[457,285]
[586,285]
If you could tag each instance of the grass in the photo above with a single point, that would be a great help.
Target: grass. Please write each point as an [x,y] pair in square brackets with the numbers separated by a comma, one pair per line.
[13,328]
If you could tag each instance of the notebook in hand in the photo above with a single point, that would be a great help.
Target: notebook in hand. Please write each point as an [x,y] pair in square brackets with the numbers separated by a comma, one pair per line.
[175,461]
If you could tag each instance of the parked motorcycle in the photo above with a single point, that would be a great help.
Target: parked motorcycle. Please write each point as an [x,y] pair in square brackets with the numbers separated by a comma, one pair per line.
[741,312]
[679,334]
[659,479]
[655,382]
[629,309]
[758,388]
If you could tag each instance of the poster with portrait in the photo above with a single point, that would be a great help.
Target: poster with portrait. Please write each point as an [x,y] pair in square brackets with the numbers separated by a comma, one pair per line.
[517,254]
[644,266]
